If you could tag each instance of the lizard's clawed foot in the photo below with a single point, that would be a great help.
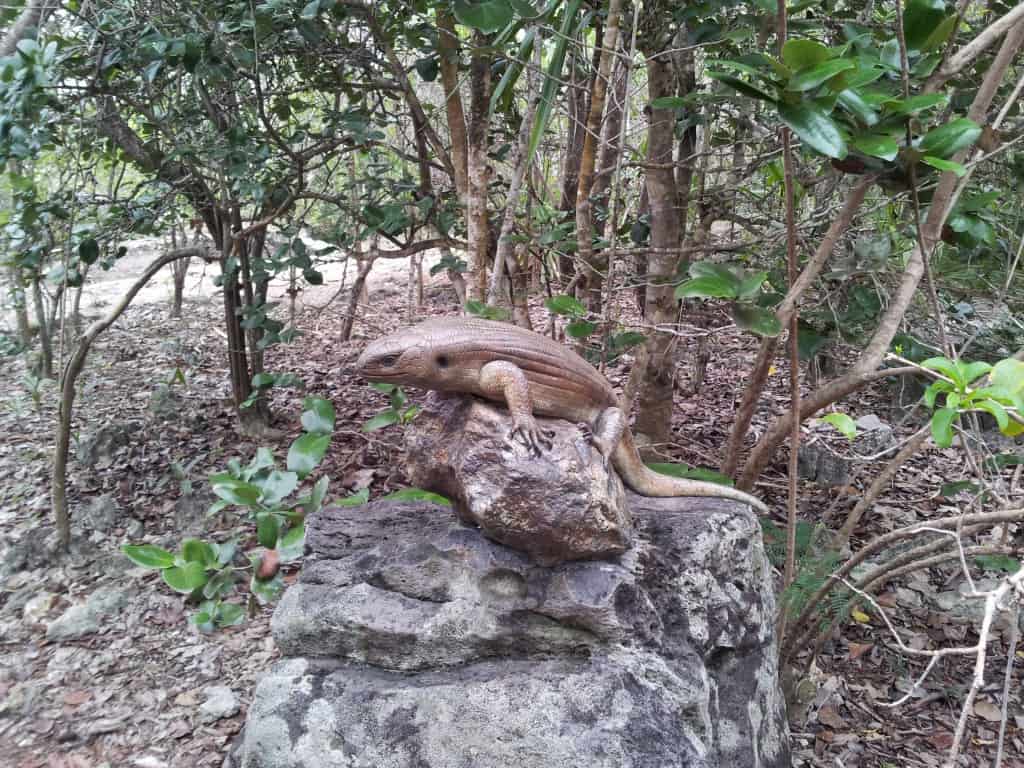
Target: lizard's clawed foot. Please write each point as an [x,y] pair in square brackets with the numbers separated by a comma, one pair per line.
[532,436]
[603,446]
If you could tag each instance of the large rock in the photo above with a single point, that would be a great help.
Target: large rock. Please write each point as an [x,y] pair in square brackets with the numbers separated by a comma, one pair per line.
[566,504]
[412,640]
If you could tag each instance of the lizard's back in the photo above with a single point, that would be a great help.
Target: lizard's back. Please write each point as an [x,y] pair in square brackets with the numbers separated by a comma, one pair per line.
[562,383]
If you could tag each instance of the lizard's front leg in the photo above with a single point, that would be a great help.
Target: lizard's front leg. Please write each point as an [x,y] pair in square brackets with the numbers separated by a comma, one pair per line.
[504,380]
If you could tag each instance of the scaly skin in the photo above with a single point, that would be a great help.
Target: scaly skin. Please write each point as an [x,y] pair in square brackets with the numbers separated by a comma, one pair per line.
[532,374]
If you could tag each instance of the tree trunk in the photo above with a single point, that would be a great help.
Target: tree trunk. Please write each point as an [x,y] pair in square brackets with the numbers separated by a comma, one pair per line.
[20,305]
[45,368]
[611,137]
[179,272]
[477,229]
[588,161]
[364,265]
[520,166]
[654,412]
[576,109]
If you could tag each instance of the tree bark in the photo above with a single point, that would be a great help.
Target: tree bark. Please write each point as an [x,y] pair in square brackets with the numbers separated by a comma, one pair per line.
[584,205]
[654,411]
[477,229]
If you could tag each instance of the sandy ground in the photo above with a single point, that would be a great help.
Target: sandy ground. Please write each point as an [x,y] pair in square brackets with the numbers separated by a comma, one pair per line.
[104,288]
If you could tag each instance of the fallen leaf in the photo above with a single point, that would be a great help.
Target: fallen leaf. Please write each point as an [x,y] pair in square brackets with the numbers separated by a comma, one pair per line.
[860,617]
[987,711]
[859,649]
[359,479]
[186,699]
[941,740]
[828,715]
[77,698]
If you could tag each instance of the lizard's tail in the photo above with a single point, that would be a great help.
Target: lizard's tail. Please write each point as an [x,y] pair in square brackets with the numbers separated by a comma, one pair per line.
[647,482]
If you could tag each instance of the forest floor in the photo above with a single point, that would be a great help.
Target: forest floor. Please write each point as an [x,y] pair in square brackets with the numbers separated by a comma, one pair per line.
[100,667]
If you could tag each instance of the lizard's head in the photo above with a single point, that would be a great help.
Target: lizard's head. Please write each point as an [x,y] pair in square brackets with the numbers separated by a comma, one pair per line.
[399,358]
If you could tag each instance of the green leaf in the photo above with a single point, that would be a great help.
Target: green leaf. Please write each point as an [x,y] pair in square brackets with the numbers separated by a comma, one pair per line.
[198,551]
[952,489]
[236,491]
[1008,374]
[427,68]
[229,615]
[743,87]
[88,250]
[148,556]
[942,427]
[940,34]
[186,579]
[1003,563]
[487,17]
[220,584]
[502,93]
[668,102]
[948,139]
[874,145]
[417,494]
[580,329]
[997,411]
[356,499]
[842,422]
[947,368]
[292,545]
[690,473]
[756,319]
[552,78]
[751,285]
[277,485]
[945,165]
[855,104]
[815,128]
[318,415]
[921,18]
[812,77]
[267,529]
[266,591]
[915,104]
[707,287]
[932,393]
[310,11]
[524,9]
[970,372]
[306,453]
[381,420]
[565,305]
[800,54]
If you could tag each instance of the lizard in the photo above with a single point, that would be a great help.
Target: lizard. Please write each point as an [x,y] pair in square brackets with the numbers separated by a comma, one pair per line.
[531,374]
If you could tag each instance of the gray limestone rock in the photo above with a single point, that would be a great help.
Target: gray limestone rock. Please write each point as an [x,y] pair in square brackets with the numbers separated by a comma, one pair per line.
[412,640]
[221,702]
[101,514]
[85,618]
[99,447]
[566,504]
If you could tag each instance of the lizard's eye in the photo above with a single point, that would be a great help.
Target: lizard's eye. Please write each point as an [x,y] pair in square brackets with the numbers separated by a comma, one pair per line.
[442,361]
[388,360]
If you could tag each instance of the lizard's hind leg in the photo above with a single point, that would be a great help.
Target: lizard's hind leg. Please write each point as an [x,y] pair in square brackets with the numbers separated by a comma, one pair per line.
[607,432]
